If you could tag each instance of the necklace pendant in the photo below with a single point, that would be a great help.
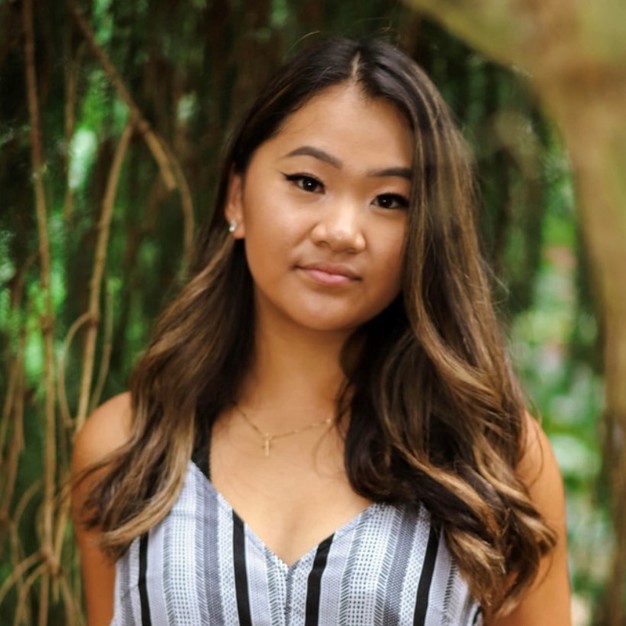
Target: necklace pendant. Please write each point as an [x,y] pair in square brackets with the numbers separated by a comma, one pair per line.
[268,437]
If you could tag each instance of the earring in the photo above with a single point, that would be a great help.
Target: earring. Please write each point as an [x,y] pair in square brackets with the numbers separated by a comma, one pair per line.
[232,226]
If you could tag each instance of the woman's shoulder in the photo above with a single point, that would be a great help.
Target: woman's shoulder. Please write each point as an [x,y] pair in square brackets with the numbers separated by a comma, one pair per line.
[538,468]
[547,600]
[107,429]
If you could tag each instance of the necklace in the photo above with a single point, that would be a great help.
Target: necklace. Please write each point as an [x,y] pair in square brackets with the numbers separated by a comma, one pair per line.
[268,438]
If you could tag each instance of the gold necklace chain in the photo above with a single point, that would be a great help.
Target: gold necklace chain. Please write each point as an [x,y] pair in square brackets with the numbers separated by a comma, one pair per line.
[268,437]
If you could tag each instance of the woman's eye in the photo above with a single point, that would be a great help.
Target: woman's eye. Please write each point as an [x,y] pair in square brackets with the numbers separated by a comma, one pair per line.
[391,201]
[305,182]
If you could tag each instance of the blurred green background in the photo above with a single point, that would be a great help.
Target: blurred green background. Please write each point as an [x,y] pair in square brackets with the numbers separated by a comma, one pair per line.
[189,69]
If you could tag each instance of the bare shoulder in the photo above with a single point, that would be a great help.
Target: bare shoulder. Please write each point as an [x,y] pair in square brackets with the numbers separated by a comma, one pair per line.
[107,429]
[548,599]
[539,470]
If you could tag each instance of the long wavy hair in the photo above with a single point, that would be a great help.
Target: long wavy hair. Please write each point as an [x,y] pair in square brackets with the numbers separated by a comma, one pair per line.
[436,414]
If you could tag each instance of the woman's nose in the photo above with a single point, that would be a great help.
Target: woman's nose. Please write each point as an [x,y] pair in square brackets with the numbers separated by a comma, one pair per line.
[340,228]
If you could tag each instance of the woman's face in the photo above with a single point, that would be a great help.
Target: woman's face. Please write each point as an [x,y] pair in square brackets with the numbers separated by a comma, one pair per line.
[322,208]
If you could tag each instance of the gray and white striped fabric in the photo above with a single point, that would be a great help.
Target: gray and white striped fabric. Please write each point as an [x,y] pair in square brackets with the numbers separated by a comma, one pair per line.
[203,565]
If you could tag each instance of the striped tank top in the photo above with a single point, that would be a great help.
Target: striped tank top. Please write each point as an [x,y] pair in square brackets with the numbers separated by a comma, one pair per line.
[202,565]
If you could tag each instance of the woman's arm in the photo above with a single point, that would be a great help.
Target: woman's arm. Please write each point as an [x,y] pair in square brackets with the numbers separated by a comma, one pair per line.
[105,431]
[548,600]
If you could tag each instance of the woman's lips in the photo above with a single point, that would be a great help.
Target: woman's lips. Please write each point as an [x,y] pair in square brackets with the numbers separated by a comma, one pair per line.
[329,274]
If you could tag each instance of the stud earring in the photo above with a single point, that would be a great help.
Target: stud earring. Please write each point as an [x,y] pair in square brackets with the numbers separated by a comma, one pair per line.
[232,226]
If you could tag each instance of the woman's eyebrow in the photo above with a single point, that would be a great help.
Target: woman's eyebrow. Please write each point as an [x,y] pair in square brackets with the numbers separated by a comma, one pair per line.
[322,155]
[402,172]
[316,153]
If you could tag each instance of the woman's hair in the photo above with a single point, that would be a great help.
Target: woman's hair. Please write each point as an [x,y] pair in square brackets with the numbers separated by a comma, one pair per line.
[436,415]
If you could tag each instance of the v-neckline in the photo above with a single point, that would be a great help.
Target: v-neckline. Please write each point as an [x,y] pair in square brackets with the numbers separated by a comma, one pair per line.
[360,517]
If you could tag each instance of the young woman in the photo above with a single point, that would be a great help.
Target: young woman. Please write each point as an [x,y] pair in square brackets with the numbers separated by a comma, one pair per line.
[325,429]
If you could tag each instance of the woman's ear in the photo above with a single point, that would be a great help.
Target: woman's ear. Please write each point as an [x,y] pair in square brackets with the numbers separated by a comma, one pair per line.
[233,211]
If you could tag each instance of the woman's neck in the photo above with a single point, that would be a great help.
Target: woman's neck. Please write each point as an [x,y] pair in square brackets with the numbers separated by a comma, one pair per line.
[295,376]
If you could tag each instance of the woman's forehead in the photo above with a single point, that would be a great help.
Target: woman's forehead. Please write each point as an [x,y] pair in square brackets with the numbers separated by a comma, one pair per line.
[342,124]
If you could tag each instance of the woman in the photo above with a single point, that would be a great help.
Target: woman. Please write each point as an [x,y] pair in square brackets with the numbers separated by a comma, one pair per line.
[325,429]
